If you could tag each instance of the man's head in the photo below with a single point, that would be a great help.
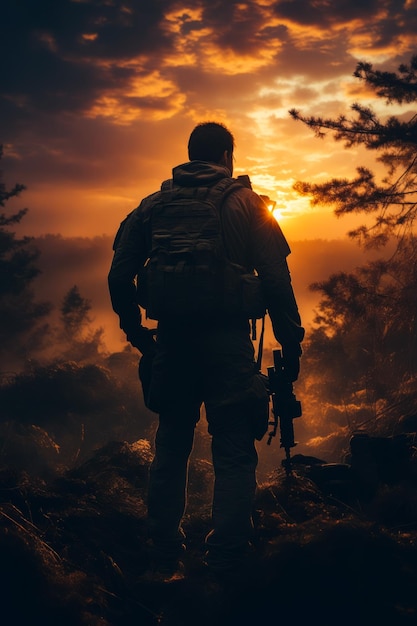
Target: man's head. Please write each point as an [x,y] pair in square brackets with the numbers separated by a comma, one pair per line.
[211,141]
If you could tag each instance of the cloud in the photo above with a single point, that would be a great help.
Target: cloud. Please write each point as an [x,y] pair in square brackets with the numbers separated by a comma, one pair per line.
[121,59]
[98,98]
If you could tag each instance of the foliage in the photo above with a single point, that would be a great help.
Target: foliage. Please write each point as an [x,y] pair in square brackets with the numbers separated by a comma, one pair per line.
[75,547]
[392,201]
[78,341]
[75,312]
[22,317]
[27,331]
[79,405]
[366,325]
[57,380]
[363,344]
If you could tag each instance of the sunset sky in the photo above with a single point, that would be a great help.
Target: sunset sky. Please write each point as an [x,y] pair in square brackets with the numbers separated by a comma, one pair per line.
[98,97]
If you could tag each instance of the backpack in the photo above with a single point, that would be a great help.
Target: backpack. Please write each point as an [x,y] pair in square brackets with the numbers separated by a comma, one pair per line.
[188,272]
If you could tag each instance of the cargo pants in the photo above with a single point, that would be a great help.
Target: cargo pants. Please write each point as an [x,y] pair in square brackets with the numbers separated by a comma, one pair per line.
[212,365]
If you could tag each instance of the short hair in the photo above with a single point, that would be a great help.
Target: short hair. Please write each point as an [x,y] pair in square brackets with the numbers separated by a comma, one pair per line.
[208,142]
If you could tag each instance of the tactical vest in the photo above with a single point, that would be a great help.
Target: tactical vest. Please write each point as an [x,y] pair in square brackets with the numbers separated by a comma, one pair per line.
[188,272]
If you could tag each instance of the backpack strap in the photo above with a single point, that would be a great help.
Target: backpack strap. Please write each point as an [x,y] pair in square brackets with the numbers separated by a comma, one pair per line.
[261,343]
[169,191]
[222,188]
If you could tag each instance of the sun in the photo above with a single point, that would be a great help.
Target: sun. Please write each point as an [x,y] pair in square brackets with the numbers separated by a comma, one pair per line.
[272,208]
[269,203]
[277,213]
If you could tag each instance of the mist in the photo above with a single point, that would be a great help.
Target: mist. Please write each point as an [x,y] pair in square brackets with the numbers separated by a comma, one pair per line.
[76,445]
[85,262]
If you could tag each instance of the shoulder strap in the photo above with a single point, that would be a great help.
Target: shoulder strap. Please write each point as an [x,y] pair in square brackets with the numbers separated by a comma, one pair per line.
[261,342]
[221,190]
[169,192]
[217,193]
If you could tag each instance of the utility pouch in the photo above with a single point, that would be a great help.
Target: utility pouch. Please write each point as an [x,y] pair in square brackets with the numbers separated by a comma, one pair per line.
[243,294]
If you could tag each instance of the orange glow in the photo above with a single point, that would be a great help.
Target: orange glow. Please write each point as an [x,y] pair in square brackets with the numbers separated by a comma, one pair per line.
[105,103]
[278,214]
[89,36]
[123,108]
[119,117]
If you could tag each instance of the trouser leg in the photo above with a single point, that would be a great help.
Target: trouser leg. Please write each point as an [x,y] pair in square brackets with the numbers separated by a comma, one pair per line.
[234,461]
[167,490]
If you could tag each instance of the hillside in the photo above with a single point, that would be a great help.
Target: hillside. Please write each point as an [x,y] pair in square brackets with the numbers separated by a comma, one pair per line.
[73,547]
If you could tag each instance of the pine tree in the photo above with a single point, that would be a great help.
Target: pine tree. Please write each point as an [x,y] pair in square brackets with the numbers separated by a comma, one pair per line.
[79,341]
[362,349]
[22,317]
[392,201]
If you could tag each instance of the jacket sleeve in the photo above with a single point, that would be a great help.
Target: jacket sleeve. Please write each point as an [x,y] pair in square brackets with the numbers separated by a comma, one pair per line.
[129,255]
[270,250]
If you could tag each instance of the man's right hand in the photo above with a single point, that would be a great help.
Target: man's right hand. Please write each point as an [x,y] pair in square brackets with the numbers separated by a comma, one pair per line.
[291,363]
[143,340]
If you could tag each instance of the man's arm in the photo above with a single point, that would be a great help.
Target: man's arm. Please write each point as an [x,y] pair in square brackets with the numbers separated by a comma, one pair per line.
[129,254]
[270,251]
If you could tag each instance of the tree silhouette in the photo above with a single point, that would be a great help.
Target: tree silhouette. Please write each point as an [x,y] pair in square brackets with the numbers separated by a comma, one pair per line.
[75,313]
[362,348]
[22,325]
[392,201]
[80,342]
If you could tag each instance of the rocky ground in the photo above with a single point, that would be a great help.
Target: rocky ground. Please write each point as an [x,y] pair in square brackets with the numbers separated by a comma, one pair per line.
[336,544]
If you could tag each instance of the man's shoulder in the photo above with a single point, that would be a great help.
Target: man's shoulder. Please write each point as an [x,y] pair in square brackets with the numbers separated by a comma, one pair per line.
[136,217]
[242,195]
[144,206]
[149,200]
[239,188]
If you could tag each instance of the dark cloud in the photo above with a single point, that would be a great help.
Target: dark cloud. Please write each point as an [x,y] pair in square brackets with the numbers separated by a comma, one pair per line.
[314,60]
[236,25]
[86,28]
[98,98]
[324,13]
[62,55]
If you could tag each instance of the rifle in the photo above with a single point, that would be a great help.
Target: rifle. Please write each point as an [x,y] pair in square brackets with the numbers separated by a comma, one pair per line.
[285,407]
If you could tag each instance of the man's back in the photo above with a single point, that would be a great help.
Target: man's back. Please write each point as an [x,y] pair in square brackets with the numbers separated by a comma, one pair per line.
[187,272]
[210,360]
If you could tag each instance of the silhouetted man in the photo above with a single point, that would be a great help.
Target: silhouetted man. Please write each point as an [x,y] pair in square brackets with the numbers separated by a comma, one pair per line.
[204,355]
